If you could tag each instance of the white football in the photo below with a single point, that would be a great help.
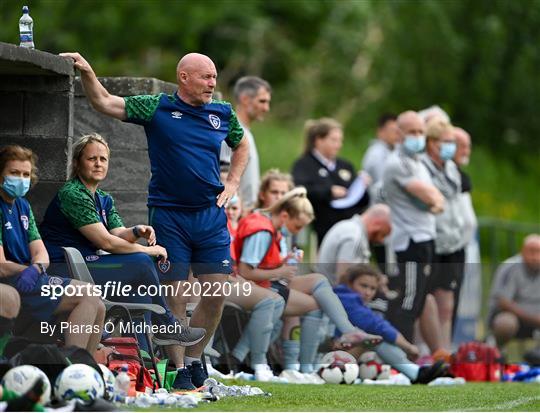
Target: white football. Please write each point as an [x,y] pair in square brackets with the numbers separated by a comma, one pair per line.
[371,367]
[79,381]
[21,378]
[109,380]
[338,367]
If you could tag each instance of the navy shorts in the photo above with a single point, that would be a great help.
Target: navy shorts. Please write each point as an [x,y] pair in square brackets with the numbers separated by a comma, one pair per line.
[39,305]
[196,239]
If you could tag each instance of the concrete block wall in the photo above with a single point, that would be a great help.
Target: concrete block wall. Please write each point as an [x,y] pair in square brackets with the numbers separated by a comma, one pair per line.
[36,106]
[43,107]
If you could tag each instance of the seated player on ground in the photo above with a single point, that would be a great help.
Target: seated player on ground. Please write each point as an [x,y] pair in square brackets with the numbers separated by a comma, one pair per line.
[263,259]
[83,216]
[357,288]
[24,259]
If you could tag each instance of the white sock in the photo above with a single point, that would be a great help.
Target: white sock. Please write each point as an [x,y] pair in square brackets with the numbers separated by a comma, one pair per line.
[188,361]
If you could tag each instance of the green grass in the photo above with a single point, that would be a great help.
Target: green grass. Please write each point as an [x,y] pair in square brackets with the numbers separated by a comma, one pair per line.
[472,397]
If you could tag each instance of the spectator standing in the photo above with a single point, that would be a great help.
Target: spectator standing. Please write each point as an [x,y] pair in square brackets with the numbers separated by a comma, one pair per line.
[413,200]
[326,176]
[374,162]
[388,137]
[470,294]
[447,271]
[252,96]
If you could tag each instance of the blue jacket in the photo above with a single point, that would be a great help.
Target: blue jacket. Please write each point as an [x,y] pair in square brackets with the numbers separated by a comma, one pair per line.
[362,316]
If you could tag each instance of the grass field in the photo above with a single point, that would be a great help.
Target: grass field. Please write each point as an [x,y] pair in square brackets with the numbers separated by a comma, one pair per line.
[469,397]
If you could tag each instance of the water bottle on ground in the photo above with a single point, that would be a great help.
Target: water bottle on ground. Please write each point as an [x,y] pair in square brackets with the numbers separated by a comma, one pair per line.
[26,29]
[121,385]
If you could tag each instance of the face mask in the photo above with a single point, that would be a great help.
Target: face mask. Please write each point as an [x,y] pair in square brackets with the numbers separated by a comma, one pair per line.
[284,231]
[16,187]
[414,144]
[447,151]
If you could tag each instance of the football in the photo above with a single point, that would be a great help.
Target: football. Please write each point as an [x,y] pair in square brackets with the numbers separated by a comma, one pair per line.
[21,378]
[109,379]
[79,381]
[371,367]
[338,367]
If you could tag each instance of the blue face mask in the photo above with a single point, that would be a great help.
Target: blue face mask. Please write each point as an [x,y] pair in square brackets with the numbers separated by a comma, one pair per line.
[16,187]
[414,143]
[447,151]
[284,231]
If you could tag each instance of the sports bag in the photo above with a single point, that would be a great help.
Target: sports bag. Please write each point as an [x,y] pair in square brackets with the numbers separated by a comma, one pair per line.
[127,353]
[476,361]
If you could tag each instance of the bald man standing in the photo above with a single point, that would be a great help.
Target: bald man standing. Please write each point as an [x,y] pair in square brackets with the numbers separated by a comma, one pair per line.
[413,199]
[185,195]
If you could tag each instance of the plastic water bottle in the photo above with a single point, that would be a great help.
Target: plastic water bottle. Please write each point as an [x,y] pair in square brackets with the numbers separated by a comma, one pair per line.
[121,385]
[26,29]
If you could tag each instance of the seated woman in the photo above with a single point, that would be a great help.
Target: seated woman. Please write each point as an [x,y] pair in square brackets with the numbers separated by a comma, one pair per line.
[356,289]
[24,259]
[84,217]
[263,259]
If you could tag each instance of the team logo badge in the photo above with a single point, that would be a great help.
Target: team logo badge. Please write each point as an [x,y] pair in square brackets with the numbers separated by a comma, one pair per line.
[176,115]
[24,220]
[55,280]
[214,121]
[164,266]
[344,174]
[323,173]
[225,263]
[91,258]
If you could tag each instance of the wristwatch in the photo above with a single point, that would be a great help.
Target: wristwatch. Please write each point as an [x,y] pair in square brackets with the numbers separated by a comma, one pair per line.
[136,232]
[41,267]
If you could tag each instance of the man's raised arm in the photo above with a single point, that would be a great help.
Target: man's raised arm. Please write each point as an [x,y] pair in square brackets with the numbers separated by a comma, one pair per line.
[99,97]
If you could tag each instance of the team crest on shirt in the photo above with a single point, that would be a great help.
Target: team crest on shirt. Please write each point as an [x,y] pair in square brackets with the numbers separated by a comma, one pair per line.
[176,115]
[323,173]
[226,263]
[92,258]
[55,280]
[215,121]
[344,174]
[24,220]
[164,266]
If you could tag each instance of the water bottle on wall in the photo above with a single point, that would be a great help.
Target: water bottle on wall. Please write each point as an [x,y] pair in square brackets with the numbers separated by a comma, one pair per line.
[121,385]
[26,27]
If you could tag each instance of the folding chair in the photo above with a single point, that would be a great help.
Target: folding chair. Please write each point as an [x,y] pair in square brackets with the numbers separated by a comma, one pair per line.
[79,271]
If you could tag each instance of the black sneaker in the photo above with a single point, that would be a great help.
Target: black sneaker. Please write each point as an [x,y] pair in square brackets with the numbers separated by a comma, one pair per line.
[429,373]
[188,336]
[183,380]
[198,375]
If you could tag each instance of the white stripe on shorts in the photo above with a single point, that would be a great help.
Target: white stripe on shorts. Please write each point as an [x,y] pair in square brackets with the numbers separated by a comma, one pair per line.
[410,285]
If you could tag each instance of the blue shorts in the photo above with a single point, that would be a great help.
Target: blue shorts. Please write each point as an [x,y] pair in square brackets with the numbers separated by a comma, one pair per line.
[40,306]
[199,239]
